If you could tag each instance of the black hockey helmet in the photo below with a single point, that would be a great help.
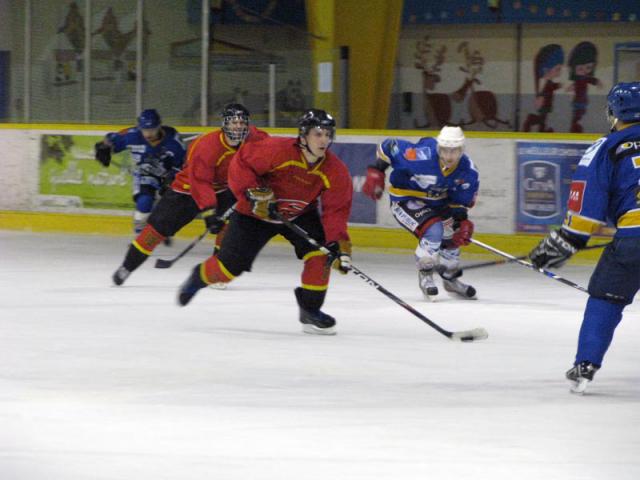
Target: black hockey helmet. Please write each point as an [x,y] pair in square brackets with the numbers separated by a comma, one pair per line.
[231,112]
[316,118]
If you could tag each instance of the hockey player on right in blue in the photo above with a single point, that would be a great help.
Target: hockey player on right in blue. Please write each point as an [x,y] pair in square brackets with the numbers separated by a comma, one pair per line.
[605,186]
[433,184]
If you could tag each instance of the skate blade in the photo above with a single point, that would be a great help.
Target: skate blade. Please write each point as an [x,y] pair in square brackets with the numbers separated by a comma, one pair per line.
[313,330]
[218,286]
[579,387]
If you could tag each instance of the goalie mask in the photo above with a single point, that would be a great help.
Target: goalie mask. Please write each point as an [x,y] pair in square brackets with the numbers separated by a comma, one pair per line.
[235,122]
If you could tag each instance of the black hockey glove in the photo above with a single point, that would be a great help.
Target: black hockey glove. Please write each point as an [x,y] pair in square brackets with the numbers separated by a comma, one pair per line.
[555,249]
[103,153]
[340,256]
[212,221]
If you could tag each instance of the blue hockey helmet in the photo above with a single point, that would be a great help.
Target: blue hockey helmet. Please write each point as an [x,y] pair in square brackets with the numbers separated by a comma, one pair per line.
[316,118]
[149,119]
[623,102]
[235,112]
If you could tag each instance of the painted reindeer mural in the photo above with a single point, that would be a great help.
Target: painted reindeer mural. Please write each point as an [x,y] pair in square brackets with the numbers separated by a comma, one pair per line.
[437,106]
[482,104]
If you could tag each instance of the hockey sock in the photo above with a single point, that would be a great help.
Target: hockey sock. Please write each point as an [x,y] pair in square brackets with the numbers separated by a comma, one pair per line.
[601,318]
[214,271]
[316,271]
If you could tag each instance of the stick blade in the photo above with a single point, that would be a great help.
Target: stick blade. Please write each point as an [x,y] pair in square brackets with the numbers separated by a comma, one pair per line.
[470,335]
[160,263]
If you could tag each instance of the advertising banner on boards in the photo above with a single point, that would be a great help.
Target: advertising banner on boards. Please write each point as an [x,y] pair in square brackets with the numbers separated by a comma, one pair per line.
[544,172]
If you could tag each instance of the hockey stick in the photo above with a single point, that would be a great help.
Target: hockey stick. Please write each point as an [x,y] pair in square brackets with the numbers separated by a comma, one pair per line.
[463,336]
[529,265]
[521,257]
[161,263]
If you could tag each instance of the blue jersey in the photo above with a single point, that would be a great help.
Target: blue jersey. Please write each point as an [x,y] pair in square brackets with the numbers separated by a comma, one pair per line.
[160,159]
[606,186]
[417,174]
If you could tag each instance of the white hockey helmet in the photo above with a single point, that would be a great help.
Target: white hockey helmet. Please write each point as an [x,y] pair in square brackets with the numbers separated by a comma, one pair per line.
[450,137]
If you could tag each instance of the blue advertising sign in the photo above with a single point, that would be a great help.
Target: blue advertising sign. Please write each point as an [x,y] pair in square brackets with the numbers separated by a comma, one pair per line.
[357,156]
[543,180]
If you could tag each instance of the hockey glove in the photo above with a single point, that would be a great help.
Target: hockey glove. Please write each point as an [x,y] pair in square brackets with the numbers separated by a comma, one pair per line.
[462,235]
[340,255]
[212,221]
[374,184]
[103,153]
[555,249]
[262,201]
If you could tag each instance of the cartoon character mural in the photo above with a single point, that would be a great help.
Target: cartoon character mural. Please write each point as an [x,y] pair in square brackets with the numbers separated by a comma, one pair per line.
[547,65]
[582,68]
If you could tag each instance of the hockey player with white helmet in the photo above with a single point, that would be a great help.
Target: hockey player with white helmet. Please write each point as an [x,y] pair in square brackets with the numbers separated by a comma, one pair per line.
[432,185]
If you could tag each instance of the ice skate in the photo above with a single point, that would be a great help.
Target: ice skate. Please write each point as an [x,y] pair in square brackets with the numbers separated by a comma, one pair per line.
[190,287]
[317,322]
[580,375]
[459,288]
[427,284]
[120,275]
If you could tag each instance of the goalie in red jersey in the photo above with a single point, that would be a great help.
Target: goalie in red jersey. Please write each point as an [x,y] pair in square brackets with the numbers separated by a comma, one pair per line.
[294,176]
[199,188]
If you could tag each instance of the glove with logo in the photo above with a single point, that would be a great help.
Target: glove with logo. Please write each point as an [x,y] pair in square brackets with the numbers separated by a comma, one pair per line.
[262,201]
[555,249]
[213,222]
[462,234]
[103,153]
[340,255]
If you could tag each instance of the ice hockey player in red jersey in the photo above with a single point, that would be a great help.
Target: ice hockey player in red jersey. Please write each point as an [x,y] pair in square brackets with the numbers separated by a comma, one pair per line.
[199,188]
[305,183]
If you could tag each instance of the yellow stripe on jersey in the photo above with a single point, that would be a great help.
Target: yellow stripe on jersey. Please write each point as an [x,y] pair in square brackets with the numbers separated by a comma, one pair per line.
[324,178]
[401,192]
[630,219]
[581,225]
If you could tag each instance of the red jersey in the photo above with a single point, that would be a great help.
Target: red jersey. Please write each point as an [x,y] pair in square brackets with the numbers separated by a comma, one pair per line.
[278,163]
[206,167]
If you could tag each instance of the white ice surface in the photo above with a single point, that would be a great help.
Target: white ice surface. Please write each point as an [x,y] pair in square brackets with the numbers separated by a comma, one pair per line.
[99,382]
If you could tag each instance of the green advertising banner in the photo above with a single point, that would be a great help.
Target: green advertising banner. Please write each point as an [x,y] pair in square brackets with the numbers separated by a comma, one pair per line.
[71,177]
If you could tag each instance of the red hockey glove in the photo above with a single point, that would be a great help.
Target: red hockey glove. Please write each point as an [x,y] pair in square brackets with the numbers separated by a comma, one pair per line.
[462,235]
[340,256]
[262,201]
[374,184]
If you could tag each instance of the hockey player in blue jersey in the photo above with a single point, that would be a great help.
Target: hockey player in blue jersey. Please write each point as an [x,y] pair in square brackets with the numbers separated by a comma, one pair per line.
[605,186]
[432,185]
[157,153]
